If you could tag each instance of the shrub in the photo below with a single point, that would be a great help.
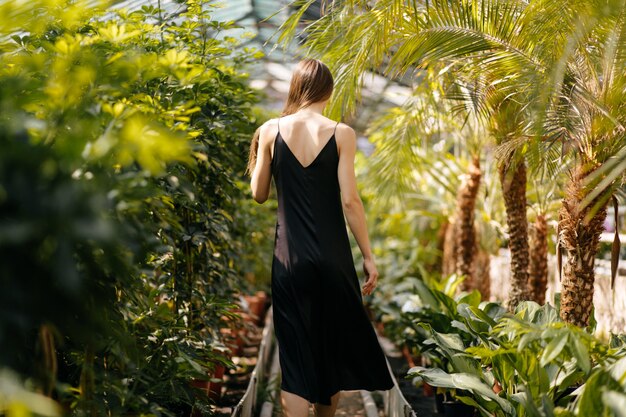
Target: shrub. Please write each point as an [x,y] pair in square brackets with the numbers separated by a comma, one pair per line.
[122,136]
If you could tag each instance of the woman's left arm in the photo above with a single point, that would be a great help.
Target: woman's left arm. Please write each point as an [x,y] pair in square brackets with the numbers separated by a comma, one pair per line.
[261,176]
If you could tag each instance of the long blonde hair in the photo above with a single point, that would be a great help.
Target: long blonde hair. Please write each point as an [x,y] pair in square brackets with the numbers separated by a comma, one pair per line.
[311,82]
[254,149]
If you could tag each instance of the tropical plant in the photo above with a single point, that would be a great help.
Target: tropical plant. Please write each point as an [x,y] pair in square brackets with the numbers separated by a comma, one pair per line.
[527,364]
[531,70]
[356,38]
[594,89]
[411,172]
[121,134]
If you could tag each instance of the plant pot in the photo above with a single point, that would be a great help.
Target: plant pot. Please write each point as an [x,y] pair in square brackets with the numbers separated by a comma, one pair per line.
[255,309]
[410,359]
[202,384]
[439,398]
[263,297]
[428,389]
[215,387]
[457,409]
[497,388]
[233,339]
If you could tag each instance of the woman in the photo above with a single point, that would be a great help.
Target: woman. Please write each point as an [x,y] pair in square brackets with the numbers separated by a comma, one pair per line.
[326,342]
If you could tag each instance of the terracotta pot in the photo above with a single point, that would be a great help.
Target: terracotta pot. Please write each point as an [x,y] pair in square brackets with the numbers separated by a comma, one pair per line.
[262,296]
[428,389]
[215,388]
[257,307]
[202,384]
[230,341]
[410,359]
[496,387]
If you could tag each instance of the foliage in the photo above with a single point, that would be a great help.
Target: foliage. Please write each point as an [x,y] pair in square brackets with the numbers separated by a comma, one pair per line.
[544,79]
[529,363]
[122,134]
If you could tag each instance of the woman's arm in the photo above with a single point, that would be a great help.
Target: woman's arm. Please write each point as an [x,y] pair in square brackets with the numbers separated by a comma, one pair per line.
[261,176]
[352,204]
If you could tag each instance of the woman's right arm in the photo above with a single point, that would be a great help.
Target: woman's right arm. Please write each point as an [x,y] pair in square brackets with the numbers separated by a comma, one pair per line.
[352,204]
[262,175]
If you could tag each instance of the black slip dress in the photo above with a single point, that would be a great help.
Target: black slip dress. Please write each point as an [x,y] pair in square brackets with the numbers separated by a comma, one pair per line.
[326,342]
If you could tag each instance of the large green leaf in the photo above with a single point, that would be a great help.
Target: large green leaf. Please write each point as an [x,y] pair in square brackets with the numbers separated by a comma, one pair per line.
[580,352]
[439,378]
[553,349]
[472,299]
[426,295]
[434,376]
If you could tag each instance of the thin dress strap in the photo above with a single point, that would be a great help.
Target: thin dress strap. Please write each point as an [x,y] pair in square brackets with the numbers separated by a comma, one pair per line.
[278,121]
[336,127]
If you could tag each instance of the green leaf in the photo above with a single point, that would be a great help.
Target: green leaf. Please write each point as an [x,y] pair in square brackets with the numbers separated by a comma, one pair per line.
[426,295]
[478,387]
[618,371]
[553,349]
[616,402]
[439,378]
[434,376]
[450,341]
[580,352]
[472,299]
[590,402]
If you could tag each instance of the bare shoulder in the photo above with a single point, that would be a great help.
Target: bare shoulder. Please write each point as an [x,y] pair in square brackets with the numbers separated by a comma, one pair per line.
[268,130]
[345,135]
[269,125]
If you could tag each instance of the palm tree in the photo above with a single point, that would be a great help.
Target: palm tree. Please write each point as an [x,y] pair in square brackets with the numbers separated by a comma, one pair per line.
[403,137]
[595,112]
[355,38]
[538,80]
[505,121]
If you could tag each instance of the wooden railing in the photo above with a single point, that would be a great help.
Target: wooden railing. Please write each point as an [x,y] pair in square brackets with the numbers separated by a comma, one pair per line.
[246,407]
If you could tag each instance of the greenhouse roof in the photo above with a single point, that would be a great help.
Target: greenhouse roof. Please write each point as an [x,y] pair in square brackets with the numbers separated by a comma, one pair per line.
[257,22]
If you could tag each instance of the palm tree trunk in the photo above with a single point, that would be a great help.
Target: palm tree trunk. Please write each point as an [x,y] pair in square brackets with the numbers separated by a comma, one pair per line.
[482,273]
[579,238]
[513,181]
[464,224]
[538,269]
[459,248]
[438,265]
[448,258]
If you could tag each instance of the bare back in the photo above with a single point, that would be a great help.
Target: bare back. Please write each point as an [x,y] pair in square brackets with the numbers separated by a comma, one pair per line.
[306,136]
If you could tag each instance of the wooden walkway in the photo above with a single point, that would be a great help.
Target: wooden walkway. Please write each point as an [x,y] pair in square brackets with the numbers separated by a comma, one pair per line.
[357,403]
[350,405]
